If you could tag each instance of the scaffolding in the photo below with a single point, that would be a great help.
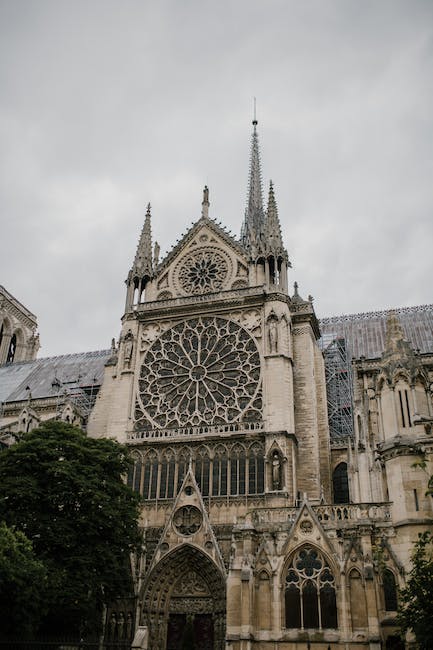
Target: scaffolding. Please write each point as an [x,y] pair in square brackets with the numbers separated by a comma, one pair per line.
[80,397]
[338,375]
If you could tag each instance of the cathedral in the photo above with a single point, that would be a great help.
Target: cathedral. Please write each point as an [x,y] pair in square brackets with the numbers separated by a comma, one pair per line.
[274,452]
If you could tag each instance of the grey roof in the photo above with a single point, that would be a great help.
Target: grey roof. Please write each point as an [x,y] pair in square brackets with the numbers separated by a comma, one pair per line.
[45,377]
[365,333]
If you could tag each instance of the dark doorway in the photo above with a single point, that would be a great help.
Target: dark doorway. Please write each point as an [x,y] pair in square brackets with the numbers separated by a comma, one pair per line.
[190,632]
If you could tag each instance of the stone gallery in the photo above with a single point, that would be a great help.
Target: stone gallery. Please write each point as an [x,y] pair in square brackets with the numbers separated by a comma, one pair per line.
[273,451]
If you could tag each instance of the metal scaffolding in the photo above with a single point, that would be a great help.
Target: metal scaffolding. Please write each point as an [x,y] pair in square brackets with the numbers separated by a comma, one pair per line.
[338,374]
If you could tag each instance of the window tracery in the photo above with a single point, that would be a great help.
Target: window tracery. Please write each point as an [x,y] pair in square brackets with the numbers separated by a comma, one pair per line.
[201,371]
[202,271]
[310,600]
[229,469]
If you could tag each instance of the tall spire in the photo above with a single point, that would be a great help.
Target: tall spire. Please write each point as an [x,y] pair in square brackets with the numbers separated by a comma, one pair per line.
[252,228]
[273,238]
[143,257]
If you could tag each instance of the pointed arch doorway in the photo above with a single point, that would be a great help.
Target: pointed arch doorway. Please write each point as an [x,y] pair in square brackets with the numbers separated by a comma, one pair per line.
[184,602]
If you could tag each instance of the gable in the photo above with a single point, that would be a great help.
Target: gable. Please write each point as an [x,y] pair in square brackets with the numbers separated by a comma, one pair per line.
[206,261]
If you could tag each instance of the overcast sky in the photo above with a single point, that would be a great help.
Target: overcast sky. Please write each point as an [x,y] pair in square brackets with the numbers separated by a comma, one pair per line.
[105,106]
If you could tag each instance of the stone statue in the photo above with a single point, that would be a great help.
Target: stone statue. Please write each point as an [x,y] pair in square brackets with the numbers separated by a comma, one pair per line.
[276,471]
[129,625]
[112,624]
[121,625]
[273,334]
[128,348]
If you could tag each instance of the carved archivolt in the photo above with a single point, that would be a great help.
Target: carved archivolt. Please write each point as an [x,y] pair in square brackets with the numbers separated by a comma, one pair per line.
[202,371]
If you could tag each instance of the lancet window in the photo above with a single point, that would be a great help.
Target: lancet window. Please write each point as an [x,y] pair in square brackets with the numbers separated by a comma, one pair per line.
[12,349]
[310,600]
[231,469]
[389,591]
[340,483]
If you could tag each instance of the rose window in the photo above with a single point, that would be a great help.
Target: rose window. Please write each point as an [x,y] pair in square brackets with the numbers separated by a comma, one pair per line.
[201,371]
[203,271]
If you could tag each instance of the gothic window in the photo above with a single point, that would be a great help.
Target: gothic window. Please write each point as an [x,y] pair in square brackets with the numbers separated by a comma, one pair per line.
[202,271]
[12,349]
[237,471]
[405,409]
[202,371]
[310,600]
[150,475]
[256,471]
[166,482]
[219,473]
[202,471]
[182,467]
[134,473]
[389,591]
[340,484]
[230,469]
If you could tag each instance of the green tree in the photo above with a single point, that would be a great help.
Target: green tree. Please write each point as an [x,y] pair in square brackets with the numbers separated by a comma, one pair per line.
[23,581]
[416,599]
[65,492]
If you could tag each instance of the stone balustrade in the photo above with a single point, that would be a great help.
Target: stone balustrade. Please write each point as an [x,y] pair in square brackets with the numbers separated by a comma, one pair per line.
[332,514]
[199,431]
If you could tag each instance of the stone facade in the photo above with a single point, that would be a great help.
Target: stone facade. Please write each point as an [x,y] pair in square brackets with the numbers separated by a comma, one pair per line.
[19,340]
[261,529]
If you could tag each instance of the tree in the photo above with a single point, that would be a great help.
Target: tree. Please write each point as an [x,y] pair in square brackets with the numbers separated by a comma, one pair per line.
[415,612]
[65,492]
[22,583]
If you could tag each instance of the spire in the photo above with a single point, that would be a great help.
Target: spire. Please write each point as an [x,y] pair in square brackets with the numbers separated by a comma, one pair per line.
[143,257]
[252,228]
[273,238]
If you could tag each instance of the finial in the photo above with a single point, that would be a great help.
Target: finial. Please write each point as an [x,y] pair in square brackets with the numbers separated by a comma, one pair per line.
[148,210]
[295,286]
[255,114]
[205,203]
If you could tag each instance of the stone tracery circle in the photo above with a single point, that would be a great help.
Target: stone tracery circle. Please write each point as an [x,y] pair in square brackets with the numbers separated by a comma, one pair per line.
[201,371]
[202,271]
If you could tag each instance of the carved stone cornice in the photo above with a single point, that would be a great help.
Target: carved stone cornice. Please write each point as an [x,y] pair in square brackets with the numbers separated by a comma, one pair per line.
[209,303]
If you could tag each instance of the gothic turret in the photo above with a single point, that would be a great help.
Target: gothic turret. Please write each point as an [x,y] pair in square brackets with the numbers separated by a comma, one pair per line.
[143,268]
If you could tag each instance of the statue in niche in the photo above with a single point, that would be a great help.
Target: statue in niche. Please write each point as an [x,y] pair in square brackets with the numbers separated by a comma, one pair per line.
[112,625]
[273,333]
[127,349]
[121,625]
[129,625]
[276,471]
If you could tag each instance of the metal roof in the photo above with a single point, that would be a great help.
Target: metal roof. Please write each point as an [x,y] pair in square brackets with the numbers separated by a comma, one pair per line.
[365,333]
[45,377]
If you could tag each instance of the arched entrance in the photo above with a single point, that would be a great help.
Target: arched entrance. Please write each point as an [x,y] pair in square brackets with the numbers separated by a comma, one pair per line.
[184,602]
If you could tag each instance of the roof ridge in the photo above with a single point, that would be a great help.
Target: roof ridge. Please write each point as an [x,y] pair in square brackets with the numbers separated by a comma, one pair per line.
[376,313]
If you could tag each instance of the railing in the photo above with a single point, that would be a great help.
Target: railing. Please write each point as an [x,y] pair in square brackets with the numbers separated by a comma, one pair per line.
[353,512]
[362,512]
[205,298]
[201,431]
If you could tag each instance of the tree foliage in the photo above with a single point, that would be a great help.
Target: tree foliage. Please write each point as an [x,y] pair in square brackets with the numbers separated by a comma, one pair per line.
[23,581]
[65,492]
[416,599]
